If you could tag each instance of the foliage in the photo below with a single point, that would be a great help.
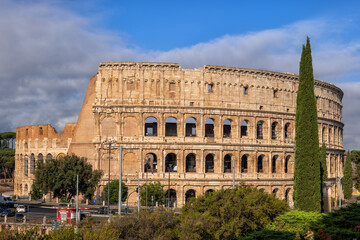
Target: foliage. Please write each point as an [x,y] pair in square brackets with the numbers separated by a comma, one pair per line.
[355,157]
[153,189]
[35,192]
[307,182]
[298,222]
[266,234]
[341,224]
[230,213]
[59,177]
[7,161]
[5,139]
[347,179]
[114,191]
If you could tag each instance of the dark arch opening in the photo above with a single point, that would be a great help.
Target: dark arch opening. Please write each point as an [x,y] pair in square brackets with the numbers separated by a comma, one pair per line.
[151,126]
[150,163]
[244,164]
[170,163]
[209,127]
[190,127]
[191,163]
[227,163]
[171,127]
[209,163]
[189,195]
[260,164]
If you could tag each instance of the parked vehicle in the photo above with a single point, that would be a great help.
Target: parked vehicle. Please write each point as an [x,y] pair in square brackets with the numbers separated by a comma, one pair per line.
[104,210]
[7,212]
[6,201]
[19,217]
[21,208]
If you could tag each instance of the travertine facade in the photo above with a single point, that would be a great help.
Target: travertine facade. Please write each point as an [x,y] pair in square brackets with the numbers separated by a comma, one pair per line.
[191,125]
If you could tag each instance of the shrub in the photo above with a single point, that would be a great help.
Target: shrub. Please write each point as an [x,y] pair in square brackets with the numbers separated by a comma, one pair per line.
[228,214]
[341,224]
[298,222]
[266,234]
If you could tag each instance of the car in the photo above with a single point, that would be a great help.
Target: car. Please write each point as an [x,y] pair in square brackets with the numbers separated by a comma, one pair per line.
[104,210]
[19,217]
[21,208]
[7,212]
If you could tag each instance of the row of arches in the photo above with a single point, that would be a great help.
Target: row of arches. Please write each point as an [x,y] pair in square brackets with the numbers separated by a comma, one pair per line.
[151,128]
[191,161]
[31,159]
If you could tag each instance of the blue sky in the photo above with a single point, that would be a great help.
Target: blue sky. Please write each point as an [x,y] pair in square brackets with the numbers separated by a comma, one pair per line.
[49,49]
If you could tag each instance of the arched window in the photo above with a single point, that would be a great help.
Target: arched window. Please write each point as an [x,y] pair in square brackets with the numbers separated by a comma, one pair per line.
[40,158]
[273,130]
[287,130]
[227,163]
[244,128]
[244,164]
[171,197]
[48,157]
[191,163]
[323,135]
[209,163]
[40,131]
[170,163]
[190,127]
[260,164]
[150,163]
[150,126]
[209,127]
[209,191]
[273,163]
[32,163]
[259,130]
[170,127]
[189,195]
[227,128]
[26,165]
[275,192]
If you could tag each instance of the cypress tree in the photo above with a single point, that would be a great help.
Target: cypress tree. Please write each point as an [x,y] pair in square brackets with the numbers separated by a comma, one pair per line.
[307,179]
[323,166]
[347,180]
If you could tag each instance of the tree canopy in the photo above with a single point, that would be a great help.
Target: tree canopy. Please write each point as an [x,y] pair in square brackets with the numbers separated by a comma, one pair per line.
[59,177]
[153,189]
[347,179]
[307,179]
[114,191]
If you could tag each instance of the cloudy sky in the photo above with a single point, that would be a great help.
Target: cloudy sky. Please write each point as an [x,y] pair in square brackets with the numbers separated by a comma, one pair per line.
[49,49]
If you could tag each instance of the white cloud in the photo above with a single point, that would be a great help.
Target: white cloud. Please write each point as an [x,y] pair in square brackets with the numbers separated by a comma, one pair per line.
[48,55]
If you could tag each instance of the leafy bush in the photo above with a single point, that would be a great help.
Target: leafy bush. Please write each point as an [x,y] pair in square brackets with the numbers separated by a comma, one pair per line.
[114,191]
[266,234]
[228,214]
[298,222]
[341,224]
[153,189]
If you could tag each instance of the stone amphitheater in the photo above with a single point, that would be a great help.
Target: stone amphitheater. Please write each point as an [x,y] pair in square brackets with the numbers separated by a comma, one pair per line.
[194,130]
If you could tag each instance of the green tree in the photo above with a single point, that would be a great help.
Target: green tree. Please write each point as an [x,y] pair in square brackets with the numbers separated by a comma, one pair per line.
[229,214]
[59,177]
[307,181]
[114,191]
[355,157]
[7,161]
[153,189]
[347,179]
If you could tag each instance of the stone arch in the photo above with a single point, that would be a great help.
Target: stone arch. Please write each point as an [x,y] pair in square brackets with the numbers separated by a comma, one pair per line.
[209,127]
[190,128]
[274,130]
[26,165]
[171,127]
[40,157]
[259,130]
[275,192]
[260,164]
[227,163]
[323,134]
[131,126]
[49,157]
[244,128]
[170,163]
[26,189]
[288,195]
[287,131]
[191,193]
[227,128]
[32,163]
[108,127]
[329,136]
[190,163]
[60,155]
[209,163]
[244,163]
[150,163]
[209,191]
[151,126]
[173,198]
[275,164]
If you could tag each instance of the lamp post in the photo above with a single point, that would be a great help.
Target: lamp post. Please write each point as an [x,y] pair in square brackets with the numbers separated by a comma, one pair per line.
[109,141]
[170,166]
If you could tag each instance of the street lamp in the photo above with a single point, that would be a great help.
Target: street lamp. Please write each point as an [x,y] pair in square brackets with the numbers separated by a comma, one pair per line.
[109,141]
[170,169]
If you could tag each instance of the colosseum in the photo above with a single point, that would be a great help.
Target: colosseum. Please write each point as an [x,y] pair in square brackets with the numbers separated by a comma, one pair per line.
[194,130]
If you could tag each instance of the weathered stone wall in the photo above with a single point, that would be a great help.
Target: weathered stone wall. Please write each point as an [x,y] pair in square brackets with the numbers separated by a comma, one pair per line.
[201,120]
